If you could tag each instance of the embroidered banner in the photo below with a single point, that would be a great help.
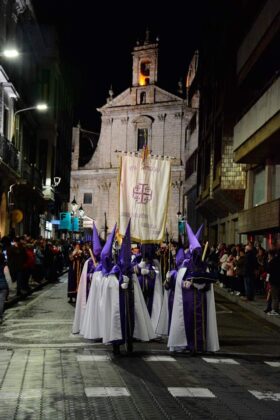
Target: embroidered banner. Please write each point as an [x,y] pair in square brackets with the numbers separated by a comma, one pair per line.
[143,197]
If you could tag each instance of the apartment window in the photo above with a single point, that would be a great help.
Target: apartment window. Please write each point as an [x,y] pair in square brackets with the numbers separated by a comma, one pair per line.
[6,122]
[259,187]
[142,138]
[275,182]
[218,144]
[87,198]
[191,165]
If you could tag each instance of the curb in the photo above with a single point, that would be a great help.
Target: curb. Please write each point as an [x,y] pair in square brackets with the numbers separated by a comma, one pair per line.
[10,302]
[249,306]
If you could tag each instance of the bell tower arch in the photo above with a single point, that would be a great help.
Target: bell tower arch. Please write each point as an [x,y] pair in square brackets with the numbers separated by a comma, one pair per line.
[145,63]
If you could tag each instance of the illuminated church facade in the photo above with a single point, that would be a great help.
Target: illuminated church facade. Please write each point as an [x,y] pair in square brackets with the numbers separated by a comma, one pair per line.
[142,113]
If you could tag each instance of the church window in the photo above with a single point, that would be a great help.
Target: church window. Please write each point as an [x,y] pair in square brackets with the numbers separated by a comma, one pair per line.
[87,198]
[142,138]
[142,97]
[145,68]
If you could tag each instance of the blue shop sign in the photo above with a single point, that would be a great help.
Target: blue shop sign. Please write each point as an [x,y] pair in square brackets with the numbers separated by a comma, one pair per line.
[65,221]
[75,224]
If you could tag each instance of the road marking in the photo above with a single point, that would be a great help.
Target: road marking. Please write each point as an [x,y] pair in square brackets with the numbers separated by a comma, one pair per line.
[159,359]
[26,395]
[30,321]
[107,391]
[48,346]
[28,333]
[266,395]
[224,361]
[191,392]
[93,358]
[273,364]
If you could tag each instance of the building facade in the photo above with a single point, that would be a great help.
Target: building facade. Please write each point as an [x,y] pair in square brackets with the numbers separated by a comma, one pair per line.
[191,146]
[257,130]
[30,142]
[220,180]
[143,113]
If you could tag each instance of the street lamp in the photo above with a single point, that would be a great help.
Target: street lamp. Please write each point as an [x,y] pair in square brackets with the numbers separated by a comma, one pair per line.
[179,217]
[81,212]
[39,107]
[74,205]
[10,53]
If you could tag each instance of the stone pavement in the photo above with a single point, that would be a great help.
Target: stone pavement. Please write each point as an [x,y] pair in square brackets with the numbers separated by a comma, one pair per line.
[92,384]
[48,373]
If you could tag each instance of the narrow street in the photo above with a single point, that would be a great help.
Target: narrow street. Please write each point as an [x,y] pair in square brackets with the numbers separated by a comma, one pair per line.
[47,373]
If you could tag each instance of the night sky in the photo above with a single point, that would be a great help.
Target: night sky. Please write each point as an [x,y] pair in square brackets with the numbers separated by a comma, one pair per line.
[96,40]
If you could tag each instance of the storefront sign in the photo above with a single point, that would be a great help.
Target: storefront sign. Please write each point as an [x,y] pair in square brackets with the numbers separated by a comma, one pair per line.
[65,221]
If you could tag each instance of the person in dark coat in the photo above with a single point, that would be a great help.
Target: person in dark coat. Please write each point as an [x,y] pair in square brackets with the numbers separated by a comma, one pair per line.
[273,269]
[4,288]
[250,268]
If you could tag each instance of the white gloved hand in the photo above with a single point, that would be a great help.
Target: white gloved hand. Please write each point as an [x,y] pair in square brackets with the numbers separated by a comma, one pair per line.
[142,264]
[168,275]
[144,271]
[187,284]
[124,286]
[125,279]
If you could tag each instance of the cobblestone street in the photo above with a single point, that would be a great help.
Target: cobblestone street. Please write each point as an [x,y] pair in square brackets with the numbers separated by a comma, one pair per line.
[47,373]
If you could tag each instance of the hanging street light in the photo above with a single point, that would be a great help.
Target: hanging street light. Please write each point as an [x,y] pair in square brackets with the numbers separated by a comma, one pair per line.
[74,205]
[81,211]
[10,53]
[39,107]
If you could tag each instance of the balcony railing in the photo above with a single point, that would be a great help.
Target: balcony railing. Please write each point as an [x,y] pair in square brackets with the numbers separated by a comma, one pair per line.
[13,159]
[8,153]
[26,171]
[37,177]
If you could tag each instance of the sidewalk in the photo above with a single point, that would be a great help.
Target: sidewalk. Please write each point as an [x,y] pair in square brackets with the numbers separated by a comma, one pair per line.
[34,286]
[257,306]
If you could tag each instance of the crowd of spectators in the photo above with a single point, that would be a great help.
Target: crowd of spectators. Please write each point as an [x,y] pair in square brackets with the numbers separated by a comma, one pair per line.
[248,270]
[25,262]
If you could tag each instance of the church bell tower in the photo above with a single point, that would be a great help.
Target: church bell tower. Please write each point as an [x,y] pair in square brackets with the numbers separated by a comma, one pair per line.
[145,63]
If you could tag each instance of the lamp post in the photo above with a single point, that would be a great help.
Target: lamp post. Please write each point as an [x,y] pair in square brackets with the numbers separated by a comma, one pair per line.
[81,216]
[81,211]
[105,226]
[178,185]
[9,53]
[74,205]
[179,217]
[39,107]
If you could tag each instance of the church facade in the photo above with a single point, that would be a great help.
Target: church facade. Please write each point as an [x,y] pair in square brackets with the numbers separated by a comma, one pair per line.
[142,114]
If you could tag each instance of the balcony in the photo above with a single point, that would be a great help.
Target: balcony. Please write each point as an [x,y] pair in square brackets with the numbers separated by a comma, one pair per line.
[260,218]
[258,37]
[37,178]
[9,154]
[256,135]
[224,191]
[26,171]
[48,193]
